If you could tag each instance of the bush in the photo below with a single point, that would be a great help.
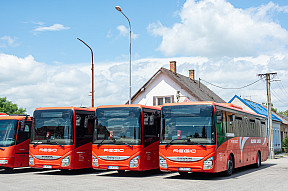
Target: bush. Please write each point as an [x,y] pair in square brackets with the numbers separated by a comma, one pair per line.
[285,143]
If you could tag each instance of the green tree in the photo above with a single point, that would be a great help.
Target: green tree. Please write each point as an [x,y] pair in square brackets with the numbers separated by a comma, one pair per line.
[284,113]
[9,108]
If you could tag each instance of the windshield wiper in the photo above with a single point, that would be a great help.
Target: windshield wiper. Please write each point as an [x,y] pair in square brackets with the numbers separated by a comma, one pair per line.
[195,143]
[100,143]
[129,145]
[2,149]
[55,143]
[36,143]
[202,145]
[170,142]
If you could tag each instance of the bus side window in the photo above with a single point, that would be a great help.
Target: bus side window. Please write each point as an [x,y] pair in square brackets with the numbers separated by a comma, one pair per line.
[151,126]
[24,132]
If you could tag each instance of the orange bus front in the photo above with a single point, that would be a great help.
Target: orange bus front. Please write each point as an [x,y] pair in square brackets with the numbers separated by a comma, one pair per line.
[61,138]
[14,141]
[188,138]
[126,138]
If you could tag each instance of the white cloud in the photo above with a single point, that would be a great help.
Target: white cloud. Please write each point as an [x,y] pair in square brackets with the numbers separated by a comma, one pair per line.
[7,40]
[125,31]
[31,84]
[216,28]
[55,27]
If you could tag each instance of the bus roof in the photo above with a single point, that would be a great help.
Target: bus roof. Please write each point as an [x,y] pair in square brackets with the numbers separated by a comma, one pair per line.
[129,105]
[15,117]
[72,108]
[226,105]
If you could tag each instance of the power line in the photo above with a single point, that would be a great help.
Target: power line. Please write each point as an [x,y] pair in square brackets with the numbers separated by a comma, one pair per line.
[231,88]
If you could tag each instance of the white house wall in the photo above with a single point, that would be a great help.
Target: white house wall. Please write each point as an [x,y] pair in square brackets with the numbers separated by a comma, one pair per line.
[236,101]
[162,85]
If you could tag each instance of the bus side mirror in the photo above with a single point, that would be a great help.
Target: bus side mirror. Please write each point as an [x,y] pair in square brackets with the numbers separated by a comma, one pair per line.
[23,122]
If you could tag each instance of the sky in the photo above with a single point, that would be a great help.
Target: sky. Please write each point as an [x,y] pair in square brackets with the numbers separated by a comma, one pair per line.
[226,42]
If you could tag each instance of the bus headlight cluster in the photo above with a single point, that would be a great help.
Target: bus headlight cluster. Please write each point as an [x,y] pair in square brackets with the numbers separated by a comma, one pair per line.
[31,160]
[65,161]
[208,163]
[163,163]
[94,161]
[134,162]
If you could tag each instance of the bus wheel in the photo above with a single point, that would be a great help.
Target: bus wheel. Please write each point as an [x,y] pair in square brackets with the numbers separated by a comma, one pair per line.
[121,171]
[230,166]
[9,170]
[183,173]
[258,162]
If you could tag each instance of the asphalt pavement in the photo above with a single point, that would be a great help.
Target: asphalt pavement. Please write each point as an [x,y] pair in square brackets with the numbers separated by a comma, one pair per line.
[271,176]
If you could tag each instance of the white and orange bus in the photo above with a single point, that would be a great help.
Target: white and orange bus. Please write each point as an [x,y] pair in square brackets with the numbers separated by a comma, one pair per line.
[126,137]
[14,140]
[211,137]
[62,138]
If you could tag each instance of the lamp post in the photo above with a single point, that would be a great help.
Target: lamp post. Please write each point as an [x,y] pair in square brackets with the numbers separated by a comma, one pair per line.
[120,10]
[92,68]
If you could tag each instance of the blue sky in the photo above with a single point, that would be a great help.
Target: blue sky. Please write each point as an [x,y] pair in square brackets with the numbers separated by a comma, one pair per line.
[227,43]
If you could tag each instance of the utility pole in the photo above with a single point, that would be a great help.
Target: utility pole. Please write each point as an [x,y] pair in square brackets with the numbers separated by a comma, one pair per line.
[267,77]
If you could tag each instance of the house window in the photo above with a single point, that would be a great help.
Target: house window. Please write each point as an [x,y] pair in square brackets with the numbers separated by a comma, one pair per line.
[160,100]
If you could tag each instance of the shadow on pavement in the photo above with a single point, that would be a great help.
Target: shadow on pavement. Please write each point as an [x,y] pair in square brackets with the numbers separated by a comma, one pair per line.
[71,172]
[148,173]
[219,176]
[20,170]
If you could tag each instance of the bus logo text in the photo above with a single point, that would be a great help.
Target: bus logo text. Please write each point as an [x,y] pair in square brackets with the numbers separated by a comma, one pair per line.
[47,150]
[184,150]
[114,150]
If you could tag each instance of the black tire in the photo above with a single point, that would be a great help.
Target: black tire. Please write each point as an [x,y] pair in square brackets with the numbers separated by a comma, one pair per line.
[182,173]
[121,171]
[230,168]
[258,161]
[9,170]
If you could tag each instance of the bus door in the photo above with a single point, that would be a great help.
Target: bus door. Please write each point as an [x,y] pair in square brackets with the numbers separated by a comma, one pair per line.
[151,133]
[84,121]
[22,143]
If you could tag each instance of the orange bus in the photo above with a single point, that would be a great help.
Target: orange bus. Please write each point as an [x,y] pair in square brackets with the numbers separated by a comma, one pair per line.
[14,140]
[126,137]
[62,138]
[211,137]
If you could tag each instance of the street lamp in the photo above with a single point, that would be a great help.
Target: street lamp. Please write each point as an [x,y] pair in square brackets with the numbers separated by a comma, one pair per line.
[92,71]
[120,10]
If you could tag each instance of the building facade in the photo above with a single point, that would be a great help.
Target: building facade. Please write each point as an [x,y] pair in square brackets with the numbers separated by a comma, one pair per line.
[168,86]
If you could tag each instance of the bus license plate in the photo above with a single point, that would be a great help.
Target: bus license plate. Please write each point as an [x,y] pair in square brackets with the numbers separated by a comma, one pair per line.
[47,166]
[184,169]
[113,167]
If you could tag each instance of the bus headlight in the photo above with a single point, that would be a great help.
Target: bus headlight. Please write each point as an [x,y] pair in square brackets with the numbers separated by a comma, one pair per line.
[31,160]
[163,163]
[208,163]
[65,161]
[134,162]
[94,161]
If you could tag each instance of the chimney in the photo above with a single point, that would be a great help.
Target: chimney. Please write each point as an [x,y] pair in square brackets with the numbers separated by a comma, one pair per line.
[173,66]
[192,74]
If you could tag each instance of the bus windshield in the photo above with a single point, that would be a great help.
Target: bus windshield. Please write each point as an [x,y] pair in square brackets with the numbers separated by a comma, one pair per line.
[187,124]
[53,127]
[8,130]
[119,125]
